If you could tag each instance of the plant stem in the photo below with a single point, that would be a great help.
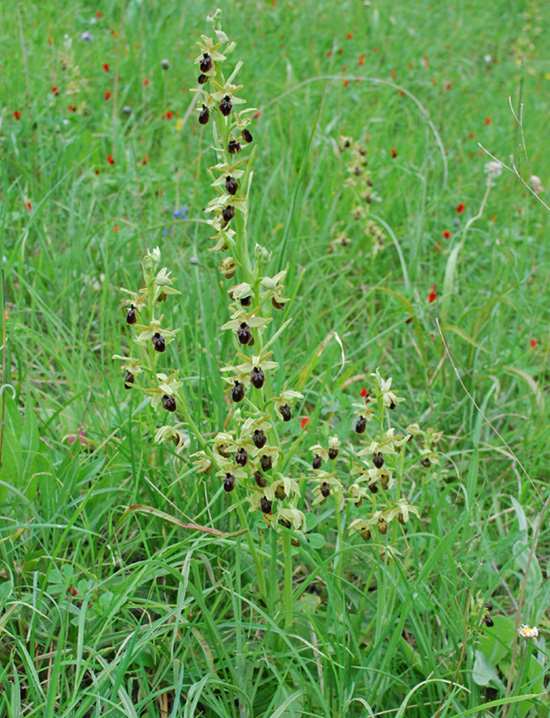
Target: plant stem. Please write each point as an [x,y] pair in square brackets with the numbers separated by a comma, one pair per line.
[253,552]
[287,585]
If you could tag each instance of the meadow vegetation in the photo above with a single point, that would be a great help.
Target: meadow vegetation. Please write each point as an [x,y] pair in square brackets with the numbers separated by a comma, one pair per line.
[230,511]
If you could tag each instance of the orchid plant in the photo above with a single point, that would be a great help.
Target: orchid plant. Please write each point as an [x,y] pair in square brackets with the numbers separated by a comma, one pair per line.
[261,458]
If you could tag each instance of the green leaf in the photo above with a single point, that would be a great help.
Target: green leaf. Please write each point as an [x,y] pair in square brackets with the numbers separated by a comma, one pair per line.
[484,672]
[496,642]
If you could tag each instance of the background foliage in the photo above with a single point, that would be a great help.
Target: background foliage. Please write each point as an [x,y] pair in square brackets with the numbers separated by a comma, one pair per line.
[100,616]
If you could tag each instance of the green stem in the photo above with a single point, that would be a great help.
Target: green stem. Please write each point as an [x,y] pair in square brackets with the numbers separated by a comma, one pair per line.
[253,552]
[339,541]
[287,585]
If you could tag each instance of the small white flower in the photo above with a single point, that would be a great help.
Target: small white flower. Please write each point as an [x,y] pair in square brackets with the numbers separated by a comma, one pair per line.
[492,170]
[528,632]
[536,184]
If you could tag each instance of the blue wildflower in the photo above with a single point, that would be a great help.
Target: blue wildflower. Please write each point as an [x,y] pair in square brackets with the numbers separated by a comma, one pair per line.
[181,213]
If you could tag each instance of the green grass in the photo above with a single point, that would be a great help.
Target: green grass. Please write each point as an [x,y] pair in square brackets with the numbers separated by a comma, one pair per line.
[168,622]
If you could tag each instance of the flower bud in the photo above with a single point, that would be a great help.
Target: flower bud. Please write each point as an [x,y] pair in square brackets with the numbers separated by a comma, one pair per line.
[237,393]
[260,479]
[317,462]
[231,185]
[222,451]
[205,65]
[129,379]
[285,412]
[159,343]
[228,482]
[247,136]
[233,147]
[131,315]
[241,457]
[257,377]
[378,459]
[228,213]
[165,64]
[259,438]
[267,462]
[325,489]
[244,334]
[225,106]
[265,505]
[204,115]
[360,425]
[169,403]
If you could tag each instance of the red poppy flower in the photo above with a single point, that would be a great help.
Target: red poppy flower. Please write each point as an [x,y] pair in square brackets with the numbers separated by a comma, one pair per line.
[72,108]
[107,95]
[72,591]
[340,51]
[448,86]
[461,207]
[328,53]
[99,14]
[344,68]
[55,93]
[488,120]
[256,115]
[146,81]
[533,343]
[349,35]
[432,295]
[106,67]
[364,392]
[375,49]
[446,234]
[17,115]
[116,228]
[29,206]
[168,115]
[346,83]
[361,60]
[409,320]
[144,160]
[304,422]
[110,160]
[437,246]
[394,153]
